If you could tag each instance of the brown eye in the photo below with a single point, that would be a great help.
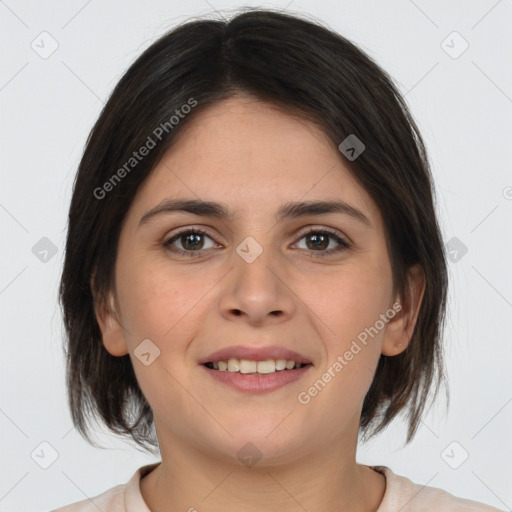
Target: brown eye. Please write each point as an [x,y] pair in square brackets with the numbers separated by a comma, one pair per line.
[192,240]
[318,240]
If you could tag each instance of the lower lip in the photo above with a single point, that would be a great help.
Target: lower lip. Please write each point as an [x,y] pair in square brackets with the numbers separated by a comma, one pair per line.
[258,383]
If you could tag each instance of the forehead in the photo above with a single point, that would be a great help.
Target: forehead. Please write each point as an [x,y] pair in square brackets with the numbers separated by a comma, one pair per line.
[255,157]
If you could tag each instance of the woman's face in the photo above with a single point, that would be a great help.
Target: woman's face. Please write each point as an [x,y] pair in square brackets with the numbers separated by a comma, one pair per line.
[255,280]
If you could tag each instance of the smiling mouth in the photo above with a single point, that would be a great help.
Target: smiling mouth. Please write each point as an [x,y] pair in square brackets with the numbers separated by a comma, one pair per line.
[250,367]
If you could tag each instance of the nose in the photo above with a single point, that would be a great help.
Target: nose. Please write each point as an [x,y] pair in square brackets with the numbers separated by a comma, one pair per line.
[258,292]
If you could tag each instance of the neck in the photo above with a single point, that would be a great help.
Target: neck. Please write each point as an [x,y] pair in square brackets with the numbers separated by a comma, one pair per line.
[327,480]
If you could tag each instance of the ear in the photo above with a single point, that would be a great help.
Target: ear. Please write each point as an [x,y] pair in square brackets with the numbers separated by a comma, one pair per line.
[112,332]
[399,330]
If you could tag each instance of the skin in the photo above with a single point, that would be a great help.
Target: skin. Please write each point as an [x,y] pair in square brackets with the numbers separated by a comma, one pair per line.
[253,158]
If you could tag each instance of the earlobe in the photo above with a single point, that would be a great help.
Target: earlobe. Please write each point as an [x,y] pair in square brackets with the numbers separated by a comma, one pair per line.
[112,332]
[401,327]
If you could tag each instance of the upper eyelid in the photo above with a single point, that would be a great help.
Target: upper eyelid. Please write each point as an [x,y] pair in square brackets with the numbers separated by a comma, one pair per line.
[314,227]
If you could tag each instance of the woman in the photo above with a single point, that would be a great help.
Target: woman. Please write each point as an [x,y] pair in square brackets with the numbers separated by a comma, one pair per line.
[254,273]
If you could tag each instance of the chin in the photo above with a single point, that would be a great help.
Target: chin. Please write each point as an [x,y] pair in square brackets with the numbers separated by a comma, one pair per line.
[259,443]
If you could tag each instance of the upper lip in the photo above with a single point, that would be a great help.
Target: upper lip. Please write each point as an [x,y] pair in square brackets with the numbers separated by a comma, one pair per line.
[254,354]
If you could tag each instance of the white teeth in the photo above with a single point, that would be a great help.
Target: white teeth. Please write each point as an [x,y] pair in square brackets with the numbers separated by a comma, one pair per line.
[248,366]
[280,364]
[233,365]
[268,366]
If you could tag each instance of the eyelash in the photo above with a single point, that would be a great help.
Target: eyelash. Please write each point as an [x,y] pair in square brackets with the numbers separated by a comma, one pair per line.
[323,231]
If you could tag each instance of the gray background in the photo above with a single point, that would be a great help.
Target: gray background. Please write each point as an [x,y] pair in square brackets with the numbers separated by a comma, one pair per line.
[463,105]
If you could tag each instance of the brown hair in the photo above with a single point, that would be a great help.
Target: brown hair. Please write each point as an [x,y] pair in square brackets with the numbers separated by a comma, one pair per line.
[305,69]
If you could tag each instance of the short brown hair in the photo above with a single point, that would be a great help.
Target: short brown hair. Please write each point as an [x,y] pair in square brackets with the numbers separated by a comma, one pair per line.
[307,70]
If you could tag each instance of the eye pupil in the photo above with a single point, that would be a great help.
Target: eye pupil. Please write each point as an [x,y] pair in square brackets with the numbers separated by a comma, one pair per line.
[317,238]
[189,237]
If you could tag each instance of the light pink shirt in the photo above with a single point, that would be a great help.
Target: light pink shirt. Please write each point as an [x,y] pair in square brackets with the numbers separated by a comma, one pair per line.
[401,495]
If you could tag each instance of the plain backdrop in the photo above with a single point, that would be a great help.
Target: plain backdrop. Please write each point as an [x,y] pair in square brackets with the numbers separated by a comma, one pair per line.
[462,100]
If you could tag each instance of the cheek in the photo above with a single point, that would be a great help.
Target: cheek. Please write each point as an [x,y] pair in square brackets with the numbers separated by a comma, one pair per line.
[356,319]
[347,306]
[348,300]
[159,306]
[153,302]
[164,304]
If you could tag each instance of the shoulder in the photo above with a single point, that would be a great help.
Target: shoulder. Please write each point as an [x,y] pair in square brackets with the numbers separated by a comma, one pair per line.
[121,498]
[404,495]
[112,500]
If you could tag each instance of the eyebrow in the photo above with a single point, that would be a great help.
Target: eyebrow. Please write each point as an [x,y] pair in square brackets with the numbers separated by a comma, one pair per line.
[221,211]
